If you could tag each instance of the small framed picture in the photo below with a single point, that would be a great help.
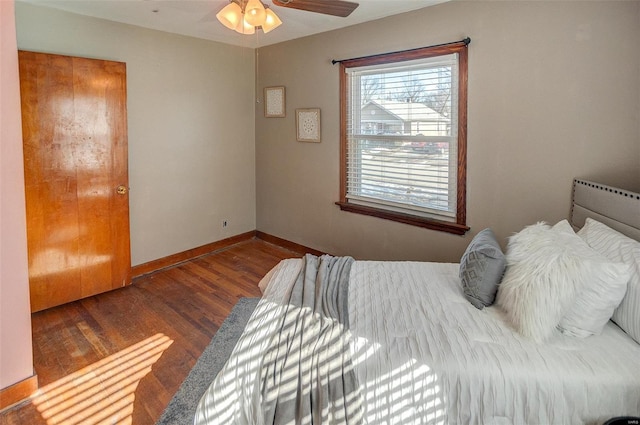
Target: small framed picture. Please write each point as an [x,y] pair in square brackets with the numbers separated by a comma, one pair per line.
[308,125]
[274,102]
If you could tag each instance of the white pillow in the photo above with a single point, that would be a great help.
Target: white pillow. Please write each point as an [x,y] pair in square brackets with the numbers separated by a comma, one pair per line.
[602,293]
[543,277]
[618,247]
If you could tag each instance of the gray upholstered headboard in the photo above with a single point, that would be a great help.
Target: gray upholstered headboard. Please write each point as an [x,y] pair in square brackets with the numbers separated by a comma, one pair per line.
[617,208]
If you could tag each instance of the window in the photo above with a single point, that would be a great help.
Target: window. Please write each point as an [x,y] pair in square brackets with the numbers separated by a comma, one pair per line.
[403,136]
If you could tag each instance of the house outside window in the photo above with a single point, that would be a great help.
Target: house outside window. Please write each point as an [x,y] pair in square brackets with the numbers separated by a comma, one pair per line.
[403,136]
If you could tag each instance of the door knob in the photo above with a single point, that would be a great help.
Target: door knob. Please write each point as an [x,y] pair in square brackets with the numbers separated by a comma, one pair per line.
[121,190]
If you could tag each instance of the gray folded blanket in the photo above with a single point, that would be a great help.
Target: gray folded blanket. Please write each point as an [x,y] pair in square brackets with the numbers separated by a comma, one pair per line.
[307,375]
[292,364]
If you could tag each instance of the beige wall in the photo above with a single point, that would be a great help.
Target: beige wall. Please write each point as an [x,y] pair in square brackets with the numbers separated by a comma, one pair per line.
[553,94]
[16,359]
[191,126]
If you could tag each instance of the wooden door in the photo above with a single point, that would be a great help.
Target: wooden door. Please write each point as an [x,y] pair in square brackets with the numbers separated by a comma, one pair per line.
[75,155]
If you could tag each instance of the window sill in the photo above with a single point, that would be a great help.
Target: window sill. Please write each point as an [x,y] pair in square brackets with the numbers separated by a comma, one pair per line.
[427,223]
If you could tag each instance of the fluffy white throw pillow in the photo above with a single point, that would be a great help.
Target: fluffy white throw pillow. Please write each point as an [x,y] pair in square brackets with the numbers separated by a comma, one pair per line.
[544,275]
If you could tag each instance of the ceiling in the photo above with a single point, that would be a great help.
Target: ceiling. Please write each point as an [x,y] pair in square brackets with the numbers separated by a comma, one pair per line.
[197,18]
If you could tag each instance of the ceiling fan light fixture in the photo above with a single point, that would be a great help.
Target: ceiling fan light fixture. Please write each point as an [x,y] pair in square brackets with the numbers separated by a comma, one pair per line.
[244,16]
[271,21]
[230,15]
[244,27]
[254,13]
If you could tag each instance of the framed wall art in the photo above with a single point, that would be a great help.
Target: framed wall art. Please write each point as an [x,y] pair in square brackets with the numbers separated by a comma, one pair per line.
[274,102]
[308,125]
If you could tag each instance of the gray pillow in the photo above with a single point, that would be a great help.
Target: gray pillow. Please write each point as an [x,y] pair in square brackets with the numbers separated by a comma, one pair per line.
[481,269]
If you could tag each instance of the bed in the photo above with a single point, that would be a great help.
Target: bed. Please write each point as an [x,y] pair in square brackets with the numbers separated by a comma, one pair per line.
[340,341]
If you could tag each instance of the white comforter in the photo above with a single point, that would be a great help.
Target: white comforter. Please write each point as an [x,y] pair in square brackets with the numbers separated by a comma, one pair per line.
[423,354]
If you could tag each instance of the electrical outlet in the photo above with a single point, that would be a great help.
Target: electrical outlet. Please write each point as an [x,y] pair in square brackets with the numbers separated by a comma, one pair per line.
[224,223]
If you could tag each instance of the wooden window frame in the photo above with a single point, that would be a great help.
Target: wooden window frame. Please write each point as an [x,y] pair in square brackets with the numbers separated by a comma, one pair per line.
[458,227]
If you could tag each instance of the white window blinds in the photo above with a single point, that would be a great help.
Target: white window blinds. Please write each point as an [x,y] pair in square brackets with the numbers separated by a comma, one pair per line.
[401,126]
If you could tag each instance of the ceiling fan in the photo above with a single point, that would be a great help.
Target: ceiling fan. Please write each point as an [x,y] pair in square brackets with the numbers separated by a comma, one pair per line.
[244,16]
[328,7]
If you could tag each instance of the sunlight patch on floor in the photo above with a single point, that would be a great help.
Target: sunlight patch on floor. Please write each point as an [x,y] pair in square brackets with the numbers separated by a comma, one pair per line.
[101,393]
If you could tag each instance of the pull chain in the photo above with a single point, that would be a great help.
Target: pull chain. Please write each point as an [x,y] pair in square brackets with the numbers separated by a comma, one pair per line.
[257,77]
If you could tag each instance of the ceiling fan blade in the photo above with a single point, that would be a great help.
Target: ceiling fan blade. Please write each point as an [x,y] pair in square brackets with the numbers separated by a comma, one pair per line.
[328,7]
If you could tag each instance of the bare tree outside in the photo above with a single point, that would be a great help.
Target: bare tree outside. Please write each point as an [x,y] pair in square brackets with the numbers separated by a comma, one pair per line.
[371,86]
[431,88]
[438,97]
[413,90]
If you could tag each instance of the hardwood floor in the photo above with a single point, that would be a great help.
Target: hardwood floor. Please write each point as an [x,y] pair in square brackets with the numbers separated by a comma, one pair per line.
[119,357]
